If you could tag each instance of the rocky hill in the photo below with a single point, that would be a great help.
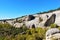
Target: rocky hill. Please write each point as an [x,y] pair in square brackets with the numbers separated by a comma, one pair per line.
[43,19]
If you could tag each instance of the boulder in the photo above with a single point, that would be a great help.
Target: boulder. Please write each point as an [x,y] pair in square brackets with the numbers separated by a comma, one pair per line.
[52,32]
[18,25]
[33,23]
[51,20]
[30,17]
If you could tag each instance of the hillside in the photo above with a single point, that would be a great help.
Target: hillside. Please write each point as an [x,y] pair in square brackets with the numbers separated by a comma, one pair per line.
[37,20]
[40,26]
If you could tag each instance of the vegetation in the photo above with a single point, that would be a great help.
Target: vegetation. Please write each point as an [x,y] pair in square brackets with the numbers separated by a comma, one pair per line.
[40,19]
[8,32]
[53,26]
[19,21]
[49,11]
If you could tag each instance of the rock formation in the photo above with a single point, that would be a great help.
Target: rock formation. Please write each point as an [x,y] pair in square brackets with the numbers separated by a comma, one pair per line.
[30,17]
[53,32]
[36,20]
[51,20]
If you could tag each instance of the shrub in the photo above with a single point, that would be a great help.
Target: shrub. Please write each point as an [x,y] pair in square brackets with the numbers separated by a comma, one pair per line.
[8,32]
[59,28]
[41,32]
[40,19]
[53,25]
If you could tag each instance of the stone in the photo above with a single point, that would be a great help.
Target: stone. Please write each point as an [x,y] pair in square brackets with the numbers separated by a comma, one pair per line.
[18,25]
[51,20]
[51,32]
[48,19]
[30,17]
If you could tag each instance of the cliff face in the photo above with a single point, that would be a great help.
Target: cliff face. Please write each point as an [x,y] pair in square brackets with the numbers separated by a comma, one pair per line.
[36,20]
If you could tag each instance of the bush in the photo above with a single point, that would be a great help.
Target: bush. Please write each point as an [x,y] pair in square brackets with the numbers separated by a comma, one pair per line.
[41,32]
[19,21]
[8,32]
[40,19]
[53,25]
[6,29]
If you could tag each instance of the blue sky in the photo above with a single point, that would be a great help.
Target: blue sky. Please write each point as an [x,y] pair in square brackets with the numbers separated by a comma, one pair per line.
[18,8]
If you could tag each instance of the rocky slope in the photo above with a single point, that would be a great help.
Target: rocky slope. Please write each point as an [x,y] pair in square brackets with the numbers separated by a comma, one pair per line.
[37,20]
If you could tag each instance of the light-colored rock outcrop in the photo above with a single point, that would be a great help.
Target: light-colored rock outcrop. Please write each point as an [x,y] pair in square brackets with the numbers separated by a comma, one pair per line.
[30,24]
[51,33]
[18,25]
[30,20]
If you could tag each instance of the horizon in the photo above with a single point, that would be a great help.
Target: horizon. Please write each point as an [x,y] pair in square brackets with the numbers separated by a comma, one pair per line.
[17,8]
